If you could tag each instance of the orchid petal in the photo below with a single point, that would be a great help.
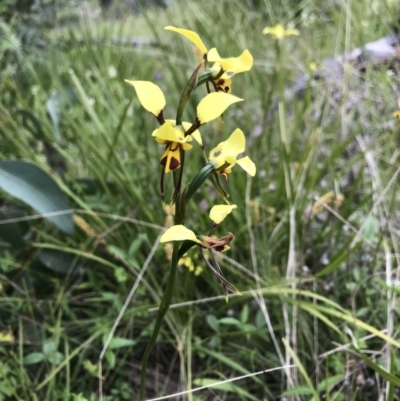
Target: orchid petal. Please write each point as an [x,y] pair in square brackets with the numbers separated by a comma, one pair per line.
[168,132]
[192,36]
[213,105]
[234,145]
[219,212]
[290,32]
[279,32]
[239,64]
[150,96]
[196,134]
[247,165]
[231,65]
[179,233]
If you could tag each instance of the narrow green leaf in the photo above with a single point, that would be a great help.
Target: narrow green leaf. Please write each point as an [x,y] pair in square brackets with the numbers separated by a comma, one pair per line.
[310,309]
[197,182]
[228,387]
[390,395]
[301,390]
[347,317]
[381,372]
[228,362]
[328,382]
[342,256]
[301,369]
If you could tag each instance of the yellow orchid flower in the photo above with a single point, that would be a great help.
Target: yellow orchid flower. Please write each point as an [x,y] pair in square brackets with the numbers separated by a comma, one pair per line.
[175,141]
[230,66]
[224,155]
[219,212]
[279,32]
[174,137]
[152,99]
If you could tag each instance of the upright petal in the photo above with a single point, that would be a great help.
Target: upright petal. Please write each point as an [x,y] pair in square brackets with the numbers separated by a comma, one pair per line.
[179,233]
[213,55]
[219,212]
[192,36]
[233,146]
[213,105]
[150,96]
[247,165]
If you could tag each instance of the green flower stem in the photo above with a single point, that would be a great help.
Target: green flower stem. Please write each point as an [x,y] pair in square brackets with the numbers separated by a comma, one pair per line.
[162,311]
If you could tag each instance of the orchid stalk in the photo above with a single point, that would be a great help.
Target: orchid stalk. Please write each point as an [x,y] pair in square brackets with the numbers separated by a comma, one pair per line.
[177,138]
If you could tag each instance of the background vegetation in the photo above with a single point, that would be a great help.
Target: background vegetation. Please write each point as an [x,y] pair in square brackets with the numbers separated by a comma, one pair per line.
[316,250]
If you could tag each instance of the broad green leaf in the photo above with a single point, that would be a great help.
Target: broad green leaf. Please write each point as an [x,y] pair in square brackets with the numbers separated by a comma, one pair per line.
[58,261]
[49,347]
[244,315]
[231,321]
[110,356]
[35,187]
[55,358]
[11,234]
[212,321]
[118,342]
[33,358]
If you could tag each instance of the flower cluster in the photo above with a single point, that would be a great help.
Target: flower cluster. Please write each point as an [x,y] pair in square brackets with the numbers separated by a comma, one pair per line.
[176,135]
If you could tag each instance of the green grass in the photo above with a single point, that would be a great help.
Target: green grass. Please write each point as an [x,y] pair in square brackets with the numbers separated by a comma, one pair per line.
[325,282]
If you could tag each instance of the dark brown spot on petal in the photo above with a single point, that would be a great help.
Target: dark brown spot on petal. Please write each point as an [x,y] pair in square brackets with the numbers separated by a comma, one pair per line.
[174,163]
[216,154]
